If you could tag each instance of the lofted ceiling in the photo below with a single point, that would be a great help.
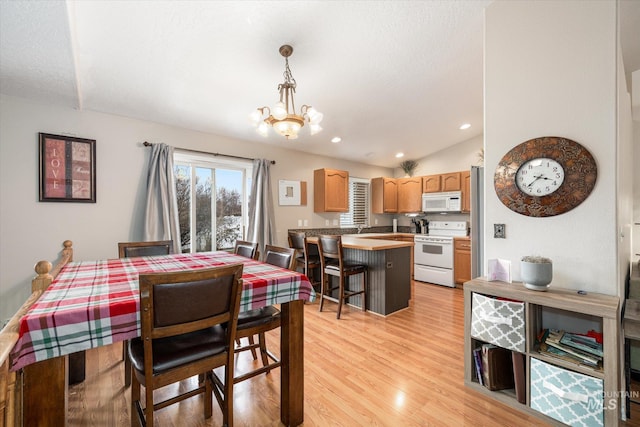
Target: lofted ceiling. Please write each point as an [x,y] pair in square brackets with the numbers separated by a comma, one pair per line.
[389,76]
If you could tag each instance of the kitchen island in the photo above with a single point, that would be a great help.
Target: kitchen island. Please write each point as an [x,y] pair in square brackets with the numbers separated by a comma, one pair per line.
[388,257]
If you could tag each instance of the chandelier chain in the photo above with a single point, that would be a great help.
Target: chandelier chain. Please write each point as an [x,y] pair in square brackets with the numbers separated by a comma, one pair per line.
[288,77]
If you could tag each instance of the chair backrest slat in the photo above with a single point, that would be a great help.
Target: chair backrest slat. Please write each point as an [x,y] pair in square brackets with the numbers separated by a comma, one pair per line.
[246,249]
[281,257]
[296,240]
[330,246]
[135,249]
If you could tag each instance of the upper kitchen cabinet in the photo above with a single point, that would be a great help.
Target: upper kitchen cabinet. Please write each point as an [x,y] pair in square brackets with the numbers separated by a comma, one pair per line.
[450,182]
[330,190]
[409,194]
[465,177]
[384,195]
[431,183]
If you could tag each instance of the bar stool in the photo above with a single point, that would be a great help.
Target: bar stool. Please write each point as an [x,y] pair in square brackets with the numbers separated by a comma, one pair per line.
[333,264]
[308,256]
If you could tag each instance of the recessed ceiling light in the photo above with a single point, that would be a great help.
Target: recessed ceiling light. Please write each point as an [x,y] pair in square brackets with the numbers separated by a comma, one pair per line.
[336,139]
[465,126]
[399,155]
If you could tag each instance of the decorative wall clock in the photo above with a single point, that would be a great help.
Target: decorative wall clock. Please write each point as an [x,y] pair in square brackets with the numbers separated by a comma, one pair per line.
[545,176]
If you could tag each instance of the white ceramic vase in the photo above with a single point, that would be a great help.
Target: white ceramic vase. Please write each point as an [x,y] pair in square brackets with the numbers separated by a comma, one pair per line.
[536,275]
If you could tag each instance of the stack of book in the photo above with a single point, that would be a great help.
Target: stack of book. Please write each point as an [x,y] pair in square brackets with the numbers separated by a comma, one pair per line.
[579,349]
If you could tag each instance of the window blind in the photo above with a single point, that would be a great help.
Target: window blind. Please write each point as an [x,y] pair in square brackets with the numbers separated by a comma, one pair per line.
[358,204]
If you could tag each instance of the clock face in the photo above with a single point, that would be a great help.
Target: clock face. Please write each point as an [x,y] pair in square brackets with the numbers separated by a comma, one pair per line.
[545,176]
[540,176]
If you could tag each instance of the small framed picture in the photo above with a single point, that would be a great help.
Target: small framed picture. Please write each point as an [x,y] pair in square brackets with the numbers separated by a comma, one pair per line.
[292,193]
[67,169]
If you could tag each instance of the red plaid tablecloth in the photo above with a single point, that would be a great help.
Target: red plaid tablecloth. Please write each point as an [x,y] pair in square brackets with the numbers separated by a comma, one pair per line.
[95,303]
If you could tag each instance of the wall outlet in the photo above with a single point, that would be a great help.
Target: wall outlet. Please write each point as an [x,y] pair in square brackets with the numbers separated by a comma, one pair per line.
[299,223]
[335,222]
[499,231]
[326,222]
[306,222]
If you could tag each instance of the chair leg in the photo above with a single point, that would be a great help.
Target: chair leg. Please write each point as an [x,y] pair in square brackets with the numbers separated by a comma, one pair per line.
[253,350]
[208,397]
[263,349]
[227,417]
[364,288]
[148,410]
[323,288]
[340,296]
[127,363]
[135,398]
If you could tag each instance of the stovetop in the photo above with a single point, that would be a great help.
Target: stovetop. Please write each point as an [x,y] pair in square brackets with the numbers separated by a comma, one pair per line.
[448,228]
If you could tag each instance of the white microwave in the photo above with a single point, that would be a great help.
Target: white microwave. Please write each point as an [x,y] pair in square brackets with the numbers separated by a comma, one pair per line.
[450,201]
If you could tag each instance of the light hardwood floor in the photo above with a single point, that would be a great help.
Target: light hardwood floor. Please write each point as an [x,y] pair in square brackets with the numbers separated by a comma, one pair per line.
[361,370]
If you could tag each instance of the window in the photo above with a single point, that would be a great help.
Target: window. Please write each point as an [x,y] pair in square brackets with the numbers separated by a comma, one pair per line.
[358,204]
[213,196]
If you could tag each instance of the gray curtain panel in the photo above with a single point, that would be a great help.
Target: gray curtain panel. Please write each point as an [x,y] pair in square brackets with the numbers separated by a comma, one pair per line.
[261,219]
[161,214]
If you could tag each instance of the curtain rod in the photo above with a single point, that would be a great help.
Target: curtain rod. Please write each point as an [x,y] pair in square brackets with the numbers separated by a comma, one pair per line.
[148,144]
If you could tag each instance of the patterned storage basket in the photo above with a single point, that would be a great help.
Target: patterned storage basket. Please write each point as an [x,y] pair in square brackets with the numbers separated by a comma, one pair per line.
[572,398]
[498,322]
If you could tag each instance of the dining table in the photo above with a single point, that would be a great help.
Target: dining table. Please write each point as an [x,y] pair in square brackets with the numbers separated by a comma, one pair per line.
[95,303]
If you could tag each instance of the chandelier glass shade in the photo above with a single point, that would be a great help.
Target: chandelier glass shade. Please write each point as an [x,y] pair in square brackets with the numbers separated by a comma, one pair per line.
[282,117]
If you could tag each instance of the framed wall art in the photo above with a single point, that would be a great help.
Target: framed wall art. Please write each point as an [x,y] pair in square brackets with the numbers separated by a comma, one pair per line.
[67,169]
[292,193]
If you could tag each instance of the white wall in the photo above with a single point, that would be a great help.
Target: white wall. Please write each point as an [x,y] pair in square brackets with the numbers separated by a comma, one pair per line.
[550,69]
[625,177]
[636,191]
[31,231]
[456,158]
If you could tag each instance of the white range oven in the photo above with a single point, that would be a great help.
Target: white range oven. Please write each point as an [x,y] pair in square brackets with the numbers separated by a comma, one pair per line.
[433,252]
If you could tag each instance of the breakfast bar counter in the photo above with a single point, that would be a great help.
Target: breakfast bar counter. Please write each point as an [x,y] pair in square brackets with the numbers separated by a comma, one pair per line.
[389,263]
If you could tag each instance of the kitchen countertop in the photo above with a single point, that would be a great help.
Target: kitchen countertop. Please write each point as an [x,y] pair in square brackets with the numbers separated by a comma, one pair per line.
[372,241]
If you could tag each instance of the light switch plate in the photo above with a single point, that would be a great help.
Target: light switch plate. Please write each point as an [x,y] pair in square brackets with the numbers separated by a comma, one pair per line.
[499,231]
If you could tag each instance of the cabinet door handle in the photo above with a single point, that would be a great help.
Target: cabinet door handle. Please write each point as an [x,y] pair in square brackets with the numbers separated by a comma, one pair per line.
[576,397]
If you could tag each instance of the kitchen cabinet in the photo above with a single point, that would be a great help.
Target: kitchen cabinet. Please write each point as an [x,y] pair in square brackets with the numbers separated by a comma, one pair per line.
[465,177]
[384,195]
[431,183]
[442,182]
[510,316]
[330,190]
[450,181]
[409,194]
[461,260]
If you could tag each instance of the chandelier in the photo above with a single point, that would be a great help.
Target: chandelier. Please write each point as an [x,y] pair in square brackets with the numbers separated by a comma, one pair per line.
[282,117]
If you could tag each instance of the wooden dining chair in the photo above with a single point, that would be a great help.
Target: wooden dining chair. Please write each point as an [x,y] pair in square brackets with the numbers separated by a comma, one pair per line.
[259,321]
[135,249]
[246,249]
[307,255]
[188,322]
[333,264]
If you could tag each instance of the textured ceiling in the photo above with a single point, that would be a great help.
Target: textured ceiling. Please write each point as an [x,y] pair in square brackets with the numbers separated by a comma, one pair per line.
[389,76]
